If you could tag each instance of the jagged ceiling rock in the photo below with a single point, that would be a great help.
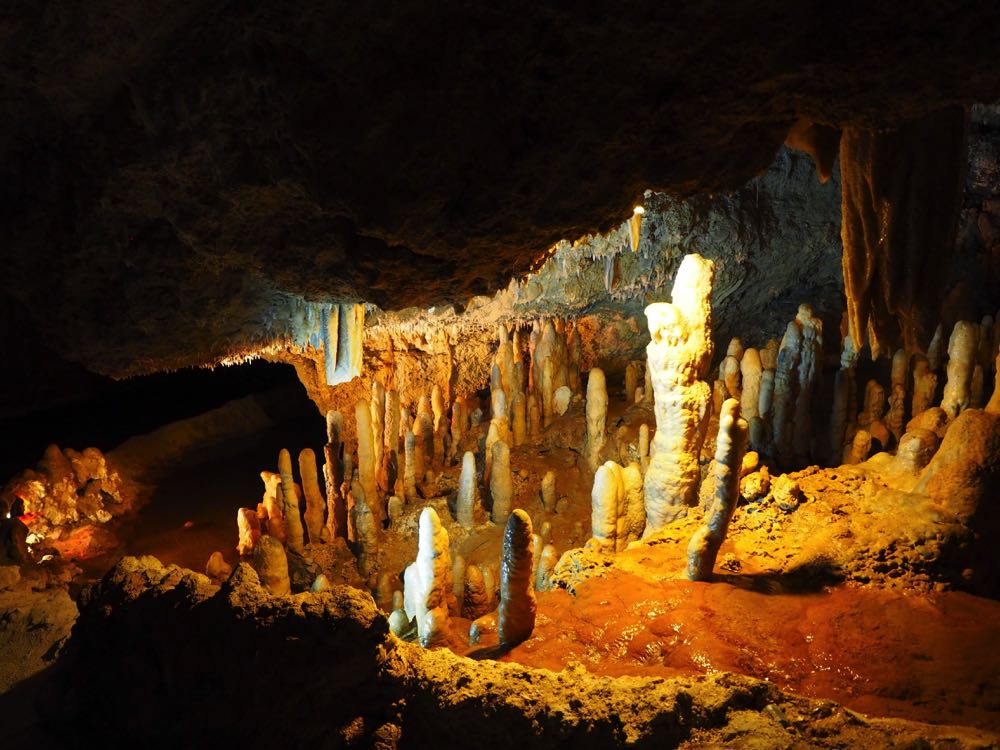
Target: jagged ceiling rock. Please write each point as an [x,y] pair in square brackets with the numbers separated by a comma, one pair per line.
[168,171]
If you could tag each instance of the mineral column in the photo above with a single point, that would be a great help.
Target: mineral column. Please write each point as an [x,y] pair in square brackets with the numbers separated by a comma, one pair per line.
[678,355]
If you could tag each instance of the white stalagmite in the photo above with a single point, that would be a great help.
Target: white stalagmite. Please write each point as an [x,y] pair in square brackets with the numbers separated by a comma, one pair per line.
[314,498]
[678,357]
[617,512]
[501,483]
[597,416]
[750,372]
[961,358]
[606,498]
[516,616]
[730,448]
[432,579]
[468,492]
[294,537]
[367,467]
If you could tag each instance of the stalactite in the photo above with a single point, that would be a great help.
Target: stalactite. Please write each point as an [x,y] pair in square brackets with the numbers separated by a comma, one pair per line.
[901,195]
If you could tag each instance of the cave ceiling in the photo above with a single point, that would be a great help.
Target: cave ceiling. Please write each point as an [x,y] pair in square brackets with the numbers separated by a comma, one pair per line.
[167,169]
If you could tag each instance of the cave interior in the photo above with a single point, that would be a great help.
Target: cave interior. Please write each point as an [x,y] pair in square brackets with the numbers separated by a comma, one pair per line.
[410,377]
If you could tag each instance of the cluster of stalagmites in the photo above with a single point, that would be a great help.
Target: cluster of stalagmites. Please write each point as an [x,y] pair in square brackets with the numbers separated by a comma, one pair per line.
[764,401]
[399,457]
[68,487]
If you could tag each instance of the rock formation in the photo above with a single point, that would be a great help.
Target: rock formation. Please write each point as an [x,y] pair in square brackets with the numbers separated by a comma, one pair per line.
[730,447]
[516,615]
[597,415]
[679,353]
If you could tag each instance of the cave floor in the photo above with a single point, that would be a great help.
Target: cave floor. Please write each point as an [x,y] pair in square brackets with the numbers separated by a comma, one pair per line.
[922,656]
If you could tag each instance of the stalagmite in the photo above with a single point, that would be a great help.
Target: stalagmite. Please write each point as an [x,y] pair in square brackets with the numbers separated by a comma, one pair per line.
[765,403]
[633,522]
[410,470]
[290,505]
[548,491]
[895,418]
[730,447]
[273,505]
[546,564]
[432,578]
[391,433]
[476,602]
[769,354]
[249,531]
[395,510]
[516,616]
[750,374]
[468,492]
[217,568]
[935,350]
[423,431]
[644,447]
[679,354]
[597,415]
[366,460]
[377,406]
[786,383]
[498,403]
[631,382]
[366,526]
[809,370]
[548,392]
[729,374]
[871,416]
[501,483]
[648,392]
[534,418]
[961,356]
[860,447]
[924,386]
[271,564]
[314,498]
[617,510]
[519,427]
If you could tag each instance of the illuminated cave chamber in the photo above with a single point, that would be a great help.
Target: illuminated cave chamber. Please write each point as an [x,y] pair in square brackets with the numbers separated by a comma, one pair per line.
[724,474]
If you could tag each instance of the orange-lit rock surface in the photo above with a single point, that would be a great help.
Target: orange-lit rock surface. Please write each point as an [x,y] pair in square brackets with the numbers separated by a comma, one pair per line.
[927,657]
